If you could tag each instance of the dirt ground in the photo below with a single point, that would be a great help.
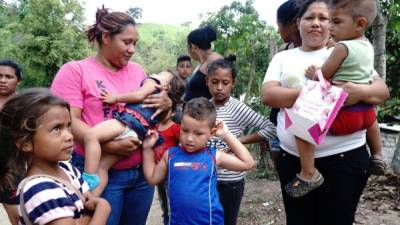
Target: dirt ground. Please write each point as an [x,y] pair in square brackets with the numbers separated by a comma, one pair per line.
[379,205]
[262,203]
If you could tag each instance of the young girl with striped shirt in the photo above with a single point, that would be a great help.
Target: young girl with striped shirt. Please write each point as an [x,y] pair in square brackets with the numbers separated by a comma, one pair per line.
[238,117]
[35,134]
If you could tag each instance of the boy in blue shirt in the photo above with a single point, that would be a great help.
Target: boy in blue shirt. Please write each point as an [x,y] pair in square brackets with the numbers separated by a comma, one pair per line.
[191,167]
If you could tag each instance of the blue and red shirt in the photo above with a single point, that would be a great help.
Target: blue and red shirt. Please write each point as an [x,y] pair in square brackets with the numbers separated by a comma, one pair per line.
[192,187]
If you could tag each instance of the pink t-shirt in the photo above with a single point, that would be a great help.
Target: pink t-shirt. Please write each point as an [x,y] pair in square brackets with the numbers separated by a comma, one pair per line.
[80,84]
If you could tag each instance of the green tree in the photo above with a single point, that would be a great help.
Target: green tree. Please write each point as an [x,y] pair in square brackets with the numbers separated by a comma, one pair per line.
[390,10]
[159,46]
[8,16]
[135,12]
[241,32]
[46,34]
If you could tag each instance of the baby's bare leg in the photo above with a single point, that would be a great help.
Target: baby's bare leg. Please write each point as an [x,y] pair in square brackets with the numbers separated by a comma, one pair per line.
[106,162]
[306,152]
[378,165]
[374,140]
[101,133]
[309,177]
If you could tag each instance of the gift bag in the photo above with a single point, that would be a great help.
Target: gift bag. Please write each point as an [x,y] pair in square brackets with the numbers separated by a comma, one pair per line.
[314,110]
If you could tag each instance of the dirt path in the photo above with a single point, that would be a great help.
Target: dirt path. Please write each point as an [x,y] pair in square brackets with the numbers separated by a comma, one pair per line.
[379,205]
[262,204]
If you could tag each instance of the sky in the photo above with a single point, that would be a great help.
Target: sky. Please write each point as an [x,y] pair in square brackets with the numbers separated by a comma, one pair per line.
[176,12]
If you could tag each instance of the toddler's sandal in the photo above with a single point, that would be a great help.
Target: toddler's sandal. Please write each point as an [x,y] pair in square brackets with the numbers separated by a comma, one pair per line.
[299,187]
[378,166]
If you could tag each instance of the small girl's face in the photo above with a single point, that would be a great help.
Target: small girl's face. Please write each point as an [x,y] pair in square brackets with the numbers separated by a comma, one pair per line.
[220,83]
[343,26]
[53,139]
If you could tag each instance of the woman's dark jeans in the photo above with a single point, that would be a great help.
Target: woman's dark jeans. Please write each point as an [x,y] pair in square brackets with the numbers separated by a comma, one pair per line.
[335,202]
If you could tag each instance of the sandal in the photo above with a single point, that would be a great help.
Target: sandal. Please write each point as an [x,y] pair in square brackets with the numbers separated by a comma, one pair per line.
[299,187]
[377,166]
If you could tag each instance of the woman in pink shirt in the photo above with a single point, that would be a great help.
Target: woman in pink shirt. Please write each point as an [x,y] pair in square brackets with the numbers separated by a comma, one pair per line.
[81,83]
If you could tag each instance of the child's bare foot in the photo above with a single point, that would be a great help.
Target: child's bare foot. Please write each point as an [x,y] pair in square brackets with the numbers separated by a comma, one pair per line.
[299,186]
[377,165]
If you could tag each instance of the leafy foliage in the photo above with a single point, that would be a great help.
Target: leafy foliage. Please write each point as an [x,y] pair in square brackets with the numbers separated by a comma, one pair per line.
[135,12]
[389,111]
[241,32]
[44,35]
[160,45]
[391,9]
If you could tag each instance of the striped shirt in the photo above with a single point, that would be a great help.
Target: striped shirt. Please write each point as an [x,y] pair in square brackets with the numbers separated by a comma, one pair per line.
[47,200]
[238,117]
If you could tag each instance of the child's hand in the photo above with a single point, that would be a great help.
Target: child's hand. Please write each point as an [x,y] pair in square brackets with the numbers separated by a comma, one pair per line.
[108,97]
[310,72]
[90,201]
[150,140]
[222,129]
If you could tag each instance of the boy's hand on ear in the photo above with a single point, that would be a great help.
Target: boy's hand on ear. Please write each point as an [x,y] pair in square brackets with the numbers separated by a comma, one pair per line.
[221,129]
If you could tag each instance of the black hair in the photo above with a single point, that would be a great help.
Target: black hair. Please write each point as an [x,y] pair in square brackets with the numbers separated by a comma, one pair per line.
[14,65]
[287,12]
[304,4]
[202,37]
[183,58]
[110,22]
[201,109]
[225,63]
[19,122]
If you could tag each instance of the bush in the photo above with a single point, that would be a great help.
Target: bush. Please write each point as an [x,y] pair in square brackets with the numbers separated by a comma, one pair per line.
[389,112]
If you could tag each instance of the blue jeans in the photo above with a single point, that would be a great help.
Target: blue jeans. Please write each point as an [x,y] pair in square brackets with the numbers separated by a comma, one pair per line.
[128,193]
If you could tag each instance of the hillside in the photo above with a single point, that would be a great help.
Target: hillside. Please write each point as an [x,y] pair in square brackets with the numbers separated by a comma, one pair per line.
[159,45]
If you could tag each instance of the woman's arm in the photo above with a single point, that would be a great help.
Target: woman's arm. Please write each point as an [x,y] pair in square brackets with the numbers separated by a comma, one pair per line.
[246,117]
[122,147]
[274,95]
[375,93]
[251,138]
